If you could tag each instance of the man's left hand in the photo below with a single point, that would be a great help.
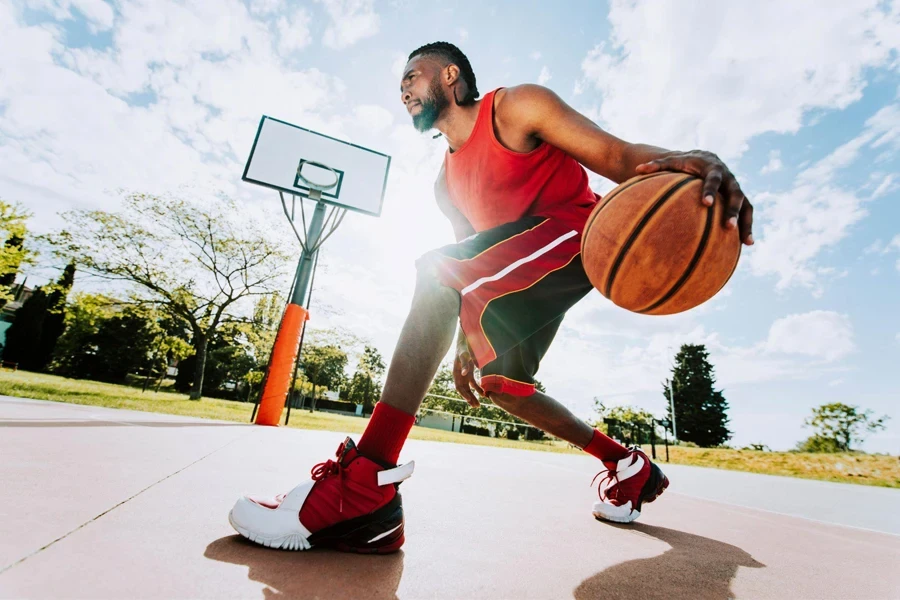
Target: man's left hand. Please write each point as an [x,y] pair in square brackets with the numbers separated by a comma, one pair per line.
[716,178]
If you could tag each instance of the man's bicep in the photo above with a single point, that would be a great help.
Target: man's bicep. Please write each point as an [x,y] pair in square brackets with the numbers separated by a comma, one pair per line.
[551,120]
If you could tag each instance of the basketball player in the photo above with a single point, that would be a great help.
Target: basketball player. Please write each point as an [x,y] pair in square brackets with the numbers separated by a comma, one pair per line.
[513,185]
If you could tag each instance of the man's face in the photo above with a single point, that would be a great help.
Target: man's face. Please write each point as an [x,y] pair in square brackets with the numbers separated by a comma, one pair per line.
[421,92]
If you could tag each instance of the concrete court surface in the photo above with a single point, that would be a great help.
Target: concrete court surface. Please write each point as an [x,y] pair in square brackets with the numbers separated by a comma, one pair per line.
[100,503]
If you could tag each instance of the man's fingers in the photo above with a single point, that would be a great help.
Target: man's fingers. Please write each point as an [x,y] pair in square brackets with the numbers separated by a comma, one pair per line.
[746,222]
[734,198]
[711,184]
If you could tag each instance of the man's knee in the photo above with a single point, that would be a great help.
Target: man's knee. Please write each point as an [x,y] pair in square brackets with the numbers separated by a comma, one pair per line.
[428,280]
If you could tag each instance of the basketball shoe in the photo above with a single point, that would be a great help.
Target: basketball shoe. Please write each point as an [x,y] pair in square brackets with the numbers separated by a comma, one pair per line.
[350,504]
[626,485]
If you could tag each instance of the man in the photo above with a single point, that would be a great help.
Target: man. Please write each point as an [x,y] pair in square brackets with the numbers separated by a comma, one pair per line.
[514,188]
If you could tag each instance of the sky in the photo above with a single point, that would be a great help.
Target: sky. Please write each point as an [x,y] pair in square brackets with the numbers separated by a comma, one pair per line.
[800,100]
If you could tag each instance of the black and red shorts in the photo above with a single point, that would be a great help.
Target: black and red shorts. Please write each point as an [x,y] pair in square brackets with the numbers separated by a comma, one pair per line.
[516,282]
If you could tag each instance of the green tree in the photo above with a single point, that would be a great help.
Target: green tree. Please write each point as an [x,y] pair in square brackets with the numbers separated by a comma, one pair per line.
[23,336]
[13,253]
[365,386]
[323,366]
[838,427]
[262,328]
[627,423]
[700,410]
[38,324]
[55,318]
[196,262]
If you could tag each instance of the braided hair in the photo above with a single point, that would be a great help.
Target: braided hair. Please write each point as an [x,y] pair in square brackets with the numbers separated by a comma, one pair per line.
[450,54]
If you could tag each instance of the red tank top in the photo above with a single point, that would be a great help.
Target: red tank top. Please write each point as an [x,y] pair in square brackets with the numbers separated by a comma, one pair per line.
[492,185]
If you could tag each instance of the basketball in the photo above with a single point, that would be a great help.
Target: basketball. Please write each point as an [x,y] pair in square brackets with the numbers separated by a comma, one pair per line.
[653,248]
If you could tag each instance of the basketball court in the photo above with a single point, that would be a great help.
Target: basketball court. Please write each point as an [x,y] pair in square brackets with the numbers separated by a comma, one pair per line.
[149,520]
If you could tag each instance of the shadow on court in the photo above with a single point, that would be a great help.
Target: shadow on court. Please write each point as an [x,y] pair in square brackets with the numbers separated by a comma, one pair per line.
[694,567]
[318,573]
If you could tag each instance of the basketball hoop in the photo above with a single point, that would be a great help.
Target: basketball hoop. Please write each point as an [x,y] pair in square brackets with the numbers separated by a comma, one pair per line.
[332,173]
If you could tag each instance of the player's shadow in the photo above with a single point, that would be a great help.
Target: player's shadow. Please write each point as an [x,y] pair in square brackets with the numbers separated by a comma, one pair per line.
[316,574]
[694,567]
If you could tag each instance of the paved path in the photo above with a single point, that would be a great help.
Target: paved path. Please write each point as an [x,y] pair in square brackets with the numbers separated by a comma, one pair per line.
[118,504]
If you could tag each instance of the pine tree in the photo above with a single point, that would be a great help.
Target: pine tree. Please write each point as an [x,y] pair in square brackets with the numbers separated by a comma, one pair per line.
[700,410]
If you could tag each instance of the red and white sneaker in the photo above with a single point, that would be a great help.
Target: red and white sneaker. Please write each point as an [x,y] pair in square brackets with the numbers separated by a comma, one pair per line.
[626,485]
[350,504]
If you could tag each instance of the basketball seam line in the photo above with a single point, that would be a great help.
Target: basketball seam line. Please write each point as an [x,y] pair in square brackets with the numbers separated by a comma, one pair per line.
[609,198]
[637,230]
[698,254]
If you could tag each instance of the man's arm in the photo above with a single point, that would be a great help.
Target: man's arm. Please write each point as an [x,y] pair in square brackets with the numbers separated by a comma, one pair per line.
[461,226]
[546,117]
[463,364]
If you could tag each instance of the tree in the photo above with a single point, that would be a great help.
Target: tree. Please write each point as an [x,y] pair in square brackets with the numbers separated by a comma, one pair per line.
[365,386]
[13,254]
[323,366]
[262,328]
[197,263]
[38,324]
[626,423]
[839,426]
[55,317]
[23,336]
[700,410]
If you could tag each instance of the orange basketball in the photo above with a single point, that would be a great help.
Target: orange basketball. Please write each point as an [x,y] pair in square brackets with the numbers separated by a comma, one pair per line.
[652,247]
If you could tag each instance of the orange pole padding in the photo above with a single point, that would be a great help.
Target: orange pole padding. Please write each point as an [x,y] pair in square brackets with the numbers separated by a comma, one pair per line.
[281,367]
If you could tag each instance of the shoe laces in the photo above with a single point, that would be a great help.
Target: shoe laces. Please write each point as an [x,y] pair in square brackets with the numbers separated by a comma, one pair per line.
[608,475]
[331,468]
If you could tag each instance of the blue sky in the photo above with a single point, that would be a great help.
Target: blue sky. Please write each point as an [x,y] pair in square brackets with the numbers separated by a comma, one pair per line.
[802,103]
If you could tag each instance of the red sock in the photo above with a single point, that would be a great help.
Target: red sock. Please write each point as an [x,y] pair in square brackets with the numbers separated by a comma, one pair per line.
[385,434]
[605,448]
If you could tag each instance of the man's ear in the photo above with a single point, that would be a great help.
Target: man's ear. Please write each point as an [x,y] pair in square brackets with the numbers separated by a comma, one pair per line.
[451,74]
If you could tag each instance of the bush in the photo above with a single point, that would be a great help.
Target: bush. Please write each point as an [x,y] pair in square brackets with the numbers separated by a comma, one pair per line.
[817,443]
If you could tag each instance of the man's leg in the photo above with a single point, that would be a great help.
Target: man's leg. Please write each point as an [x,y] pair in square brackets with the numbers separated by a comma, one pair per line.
[424,340]
[547,414]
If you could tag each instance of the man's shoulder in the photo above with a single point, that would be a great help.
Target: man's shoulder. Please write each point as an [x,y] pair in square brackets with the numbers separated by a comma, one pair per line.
[519,102]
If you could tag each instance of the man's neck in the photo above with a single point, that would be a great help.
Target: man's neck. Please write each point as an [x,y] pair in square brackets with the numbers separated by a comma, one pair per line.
[457,123]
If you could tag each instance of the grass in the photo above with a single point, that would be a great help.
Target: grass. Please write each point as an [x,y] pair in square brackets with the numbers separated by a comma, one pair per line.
[877,470]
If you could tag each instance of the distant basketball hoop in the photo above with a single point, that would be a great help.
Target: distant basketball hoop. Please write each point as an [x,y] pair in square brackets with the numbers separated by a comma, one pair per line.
[330,172]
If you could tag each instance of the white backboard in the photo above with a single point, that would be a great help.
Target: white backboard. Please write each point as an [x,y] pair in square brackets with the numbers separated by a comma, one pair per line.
[280,148]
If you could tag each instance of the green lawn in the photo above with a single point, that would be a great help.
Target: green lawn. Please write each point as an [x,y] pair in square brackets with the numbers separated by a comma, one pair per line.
[847,468]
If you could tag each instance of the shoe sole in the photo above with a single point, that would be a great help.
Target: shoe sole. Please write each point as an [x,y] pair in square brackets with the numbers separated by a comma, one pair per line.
[656,484]
[379,532]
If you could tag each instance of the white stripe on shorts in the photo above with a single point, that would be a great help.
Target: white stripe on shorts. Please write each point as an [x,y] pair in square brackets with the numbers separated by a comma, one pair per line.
[508,269]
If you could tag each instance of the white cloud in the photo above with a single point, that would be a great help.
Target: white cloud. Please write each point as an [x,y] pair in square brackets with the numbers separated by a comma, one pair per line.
[822,334]
[766,65]
[463,34]
[884,187]
[351,21]
[794,226]
[535,55]
[293,31]
[774,165]
[544,76]
[374,119]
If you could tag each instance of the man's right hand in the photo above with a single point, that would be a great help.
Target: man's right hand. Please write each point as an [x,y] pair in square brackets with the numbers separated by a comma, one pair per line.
[464,375]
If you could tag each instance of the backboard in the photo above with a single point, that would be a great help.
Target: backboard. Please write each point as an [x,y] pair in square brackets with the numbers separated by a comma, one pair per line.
[284,155]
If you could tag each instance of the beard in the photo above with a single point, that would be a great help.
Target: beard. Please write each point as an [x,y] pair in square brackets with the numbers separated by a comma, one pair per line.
[432,107]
